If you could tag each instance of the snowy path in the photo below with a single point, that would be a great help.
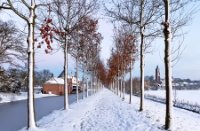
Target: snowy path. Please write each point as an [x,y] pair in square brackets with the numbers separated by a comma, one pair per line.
[105,111]
[112,114]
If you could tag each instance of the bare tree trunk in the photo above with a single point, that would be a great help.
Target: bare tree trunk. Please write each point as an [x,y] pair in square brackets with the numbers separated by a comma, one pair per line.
[31,109]
[117,75]
[77,80]
[97,84]
[168,68]
[83,83]
[118,83]
[124,90]
[96,89]
[91,88]
[141,56]
[142,82]
[87,86]
[131,87]
[112,86]
[123,87]
[93,81]
[115,86]
[66,102]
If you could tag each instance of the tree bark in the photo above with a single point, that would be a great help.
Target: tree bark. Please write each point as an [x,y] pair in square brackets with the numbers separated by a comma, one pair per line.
[77,79]
[168,68]
[97,84]
[141,56]
[131,87]
[83,83]
[93,81]
[115,86]
[117,83]
[87,86]
[66,102]
[91,88]
[123,86]
[117,75]
[112,86]
[31,32]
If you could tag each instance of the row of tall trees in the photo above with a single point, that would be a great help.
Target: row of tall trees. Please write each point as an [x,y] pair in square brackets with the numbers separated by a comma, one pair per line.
[85,41]
[121,60]
[69,22]
[147,21]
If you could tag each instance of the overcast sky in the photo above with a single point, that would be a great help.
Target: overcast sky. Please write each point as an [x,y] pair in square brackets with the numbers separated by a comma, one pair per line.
[187,67]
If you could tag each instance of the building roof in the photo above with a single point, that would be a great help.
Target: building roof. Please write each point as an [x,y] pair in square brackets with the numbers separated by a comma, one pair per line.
[55,80]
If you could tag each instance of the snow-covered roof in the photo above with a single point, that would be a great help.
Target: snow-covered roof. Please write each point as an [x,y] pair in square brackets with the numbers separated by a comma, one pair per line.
[55,80]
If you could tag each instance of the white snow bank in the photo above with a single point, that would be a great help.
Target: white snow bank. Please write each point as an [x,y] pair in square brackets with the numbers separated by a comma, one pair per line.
[9,97]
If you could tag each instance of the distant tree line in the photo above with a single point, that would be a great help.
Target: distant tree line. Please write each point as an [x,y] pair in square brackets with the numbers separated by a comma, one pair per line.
[12,54]
[15,80]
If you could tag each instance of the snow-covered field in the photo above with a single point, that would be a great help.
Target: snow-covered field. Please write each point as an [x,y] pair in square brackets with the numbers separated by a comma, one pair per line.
[105,111]
[190,96]
[9,97]
[185,99]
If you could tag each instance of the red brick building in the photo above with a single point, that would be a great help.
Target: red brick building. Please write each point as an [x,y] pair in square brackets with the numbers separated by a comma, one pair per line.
[56,85]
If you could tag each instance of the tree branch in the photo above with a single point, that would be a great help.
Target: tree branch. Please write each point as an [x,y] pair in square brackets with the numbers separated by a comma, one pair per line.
[26,4]
[15,11]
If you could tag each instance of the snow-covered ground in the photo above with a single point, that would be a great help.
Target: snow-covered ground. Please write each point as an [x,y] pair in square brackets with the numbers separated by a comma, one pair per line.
[9,97]
[190,96]
[105,111]
[185,99]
